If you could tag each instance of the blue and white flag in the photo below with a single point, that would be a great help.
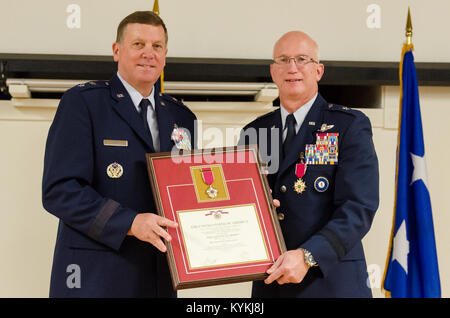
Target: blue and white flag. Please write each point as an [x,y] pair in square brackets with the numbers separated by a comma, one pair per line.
[412,266]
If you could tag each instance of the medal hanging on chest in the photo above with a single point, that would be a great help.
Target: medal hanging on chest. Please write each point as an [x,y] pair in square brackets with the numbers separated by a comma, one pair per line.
[208,178]
[299,185]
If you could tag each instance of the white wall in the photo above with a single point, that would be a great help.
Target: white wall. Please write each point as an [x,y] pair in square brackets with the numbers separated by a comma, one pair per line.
[27,232]
[233,28]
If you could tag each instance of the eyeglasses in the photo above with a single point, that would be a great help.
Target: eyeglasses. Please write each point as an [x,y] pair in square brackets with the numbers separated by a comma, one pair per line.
[299,60]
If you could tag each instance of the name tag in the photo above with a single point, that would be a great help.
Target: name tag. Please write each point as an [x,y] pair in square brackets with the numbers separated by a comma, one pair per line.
[115,143]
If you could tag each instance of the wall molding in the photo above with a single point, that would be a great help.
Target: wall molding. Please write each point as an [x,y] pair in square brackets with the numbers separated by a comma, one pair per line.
[91,67]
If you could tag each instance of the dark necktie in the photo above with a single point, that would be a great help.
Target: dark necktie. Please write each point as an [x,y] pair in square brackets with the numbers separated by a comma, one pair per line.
[143,105]
[290,124]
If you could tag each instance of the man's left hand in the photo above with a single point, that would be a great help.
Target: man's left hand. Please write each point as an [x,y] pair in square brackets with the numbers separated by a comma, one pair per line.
[290,267]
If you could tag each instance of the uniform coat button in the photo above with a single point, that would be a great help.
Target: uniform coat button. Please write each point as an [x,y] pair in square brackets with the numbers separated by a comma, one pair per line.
[281,216]
[283,188]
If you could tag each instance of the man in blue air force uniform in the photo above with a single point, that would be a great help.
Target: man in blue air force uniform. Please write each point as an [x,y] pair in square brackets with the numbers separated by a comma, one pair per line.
[109,241]
[326,183]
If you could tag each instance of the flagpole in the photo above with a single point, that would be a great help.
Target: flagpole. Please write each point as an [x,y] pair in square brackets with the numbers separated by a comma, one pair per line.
[406,47]
[156,10]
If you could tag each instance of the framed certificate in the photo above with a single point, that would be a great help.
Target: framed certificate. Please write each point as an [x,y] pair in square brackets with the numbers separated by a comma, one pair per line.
[228,229]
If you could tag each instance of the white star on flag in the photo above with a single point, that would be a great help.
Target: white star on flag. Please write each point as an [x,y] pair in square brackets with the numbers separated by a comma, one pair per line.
[420,169]
[401,247]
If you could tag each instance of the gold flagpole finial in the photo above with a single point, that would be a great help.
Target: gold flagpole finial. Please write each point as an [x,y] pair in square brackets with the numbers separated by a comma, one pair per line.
[408,29]
[156,7]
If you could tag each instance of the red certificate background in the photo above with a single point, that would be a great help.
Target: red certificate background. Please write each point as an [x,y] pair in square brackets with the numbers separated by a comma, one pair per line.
[245,185]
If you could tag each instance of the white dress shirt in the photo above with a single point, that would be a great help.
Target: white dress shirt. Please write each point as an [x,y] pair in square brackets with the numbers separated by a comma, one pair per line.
[299,115]
[136,97]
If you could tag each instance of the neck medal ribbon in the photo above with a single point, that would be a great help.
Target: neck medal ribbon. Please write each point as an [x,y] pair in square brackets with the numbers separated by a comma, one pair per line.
[299,185]
[208,178]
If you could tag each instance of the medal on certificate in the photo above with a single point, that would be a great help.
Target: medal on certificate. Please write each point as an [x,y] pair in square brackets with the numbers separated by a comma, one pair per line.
[217,214]
[208,178]
[299,185]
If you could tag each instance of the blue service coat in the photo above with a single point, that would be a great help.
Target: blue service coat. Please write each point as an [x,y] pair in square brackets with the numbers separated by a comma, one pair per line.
[332,223]
[95,210]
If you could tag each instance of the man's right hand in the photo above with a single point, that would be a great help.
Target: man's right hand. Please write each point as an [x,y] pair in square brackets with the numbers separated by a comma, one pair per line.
[148,227]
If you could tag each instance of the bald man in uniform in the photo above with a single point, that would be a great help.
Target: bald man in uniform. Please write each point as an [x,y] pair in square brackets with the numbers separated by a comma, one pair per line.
[327,182]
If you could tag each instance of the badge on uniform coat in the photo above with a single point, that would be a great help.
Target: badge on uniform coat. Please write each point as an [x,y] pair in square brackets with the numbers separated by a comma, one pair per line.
[321,184]
[181,138]
[325,127]
[114,170]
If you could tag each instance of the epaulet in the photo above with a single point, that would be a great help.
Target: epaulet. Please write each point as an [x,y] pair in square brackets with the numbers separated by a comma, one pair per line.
[345,109]
[93,84]
[171,99]
[265,115]
[175,101]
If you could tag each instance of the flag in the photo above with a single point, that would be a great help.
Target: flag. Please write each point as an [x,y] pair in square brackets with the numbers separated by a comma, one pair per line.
[412,266]
[159,85]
